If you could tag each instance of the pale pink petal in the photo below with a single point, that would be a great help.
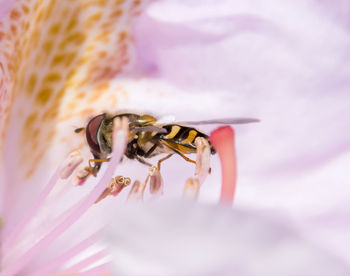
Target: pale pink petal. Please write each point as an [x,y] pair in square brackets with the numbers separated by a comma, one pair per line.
[52,72]
[284,63]
[178,238]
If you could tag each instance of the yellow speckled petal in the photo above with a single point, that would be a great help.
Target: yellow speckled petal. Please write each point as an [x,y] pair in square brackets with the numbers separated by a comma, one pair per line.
[59,58]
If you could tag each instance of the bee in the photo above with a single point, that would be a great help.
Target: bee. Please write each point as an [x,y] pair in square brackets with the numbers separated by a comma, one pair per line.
[147,138]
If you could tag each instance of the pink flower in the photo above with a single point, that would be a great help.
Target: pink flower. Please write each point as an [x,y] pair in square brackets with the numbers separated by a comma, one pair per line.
[57,61]
[284,64]
[180,238]
[69,60]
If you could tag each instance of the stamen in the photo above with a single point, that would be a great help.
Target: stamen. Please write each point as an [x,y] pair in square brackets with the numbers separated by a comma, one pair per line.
[104,194]
[120,134]
[64,257]
[81,176]
[73,161]
[191,189]
[119,183]
[86,262]
[115,186]
[137,190]
[101,270]
[223,141]
[11,234]
[203,159]
[156,182]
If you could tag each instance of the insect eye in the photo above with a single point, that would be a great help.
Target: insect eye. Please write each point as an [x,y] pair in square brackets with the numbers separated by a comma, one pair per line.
[91,133]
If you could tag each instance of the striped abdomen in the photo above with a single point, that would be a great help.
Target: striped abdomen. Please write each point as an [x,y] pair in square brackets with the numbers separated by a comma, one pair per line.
[182,138]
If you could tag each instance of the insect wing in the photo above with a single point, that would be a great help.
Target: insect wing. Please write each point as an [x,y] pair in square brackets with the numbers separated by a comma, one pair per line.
[149,129]
[166,120]
[223,121]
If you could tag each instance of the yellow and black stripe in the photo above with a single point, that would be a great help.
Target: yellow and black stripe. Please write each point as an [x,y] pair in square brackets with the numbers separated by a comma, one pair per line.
[182,138]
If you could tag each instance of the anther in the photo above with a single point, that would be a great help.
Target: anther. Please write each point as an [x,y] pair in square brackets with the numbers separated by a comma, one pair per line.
[191,189]
[136,191]
[70,164]
[203,159]
[81,176]
[118,183]
[156,182]
[115,186]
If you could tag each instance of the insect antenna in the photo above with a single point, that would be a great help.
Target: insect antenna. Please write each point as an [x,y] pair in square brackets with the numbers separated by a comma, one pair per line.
[78,130]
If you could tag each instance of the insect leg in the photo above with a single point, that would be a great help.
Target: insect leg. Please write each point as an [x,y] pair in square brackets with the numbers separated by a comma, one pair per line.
[143,161]
[182,155]
[151,150]
[92,169]
[163,159]
[186,158]
[99,160]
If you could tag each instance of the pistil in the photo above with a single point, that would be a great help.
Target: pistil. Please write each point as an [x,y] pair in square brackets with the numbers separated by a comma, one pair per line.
[223,140]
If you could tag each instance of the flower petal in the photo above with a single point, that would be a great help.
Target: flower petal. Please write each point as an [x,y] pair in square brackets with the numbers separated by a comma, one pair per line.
[55,65]
[177,238]
[54,70]
[281,64]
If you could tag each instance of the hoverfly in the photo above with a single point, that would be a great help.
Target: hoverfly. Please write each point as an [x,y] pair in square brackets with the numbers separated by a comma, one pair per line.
[147,137]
